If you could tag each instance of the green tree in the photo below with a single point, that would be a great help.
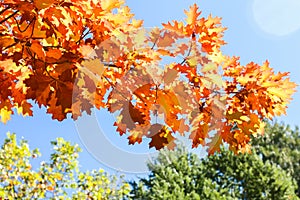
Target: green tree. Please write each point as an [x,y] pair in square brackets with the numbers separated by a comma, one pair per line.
[59,178]
[176,175]
[248,177]
[182,175]
[281,145]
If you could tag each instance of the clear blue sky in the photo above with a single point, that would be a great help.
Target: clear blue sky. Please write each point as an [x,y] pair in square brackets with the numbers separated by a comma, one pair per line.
[257,30]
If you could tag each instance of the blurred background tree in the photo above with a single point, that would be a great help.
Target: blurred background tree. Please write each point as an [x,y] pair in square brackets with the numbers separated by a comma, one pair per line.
[182,175]
[281,145]
[270,172]
[59,178]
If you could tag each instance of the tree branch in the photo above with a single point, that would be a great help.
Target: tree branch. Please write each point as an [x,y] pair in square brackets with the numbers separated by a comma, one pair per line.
[18,25]
[5,9]
[10,16]
[83,35]
[155,42]
[34,19]
[10,46]
[188,54]
[114,87]
[111,65]
[48,73]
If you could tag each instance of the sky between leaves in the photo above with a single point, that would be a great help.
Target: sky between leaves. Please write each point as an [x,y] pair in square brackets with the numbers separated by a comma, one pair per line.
[256,31]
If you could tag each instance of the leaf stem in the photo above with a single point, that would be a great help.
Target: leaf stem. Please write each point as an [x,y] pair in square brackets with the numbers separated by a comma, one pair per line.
[10,16]
[18,25]
[188,54]
[5,9]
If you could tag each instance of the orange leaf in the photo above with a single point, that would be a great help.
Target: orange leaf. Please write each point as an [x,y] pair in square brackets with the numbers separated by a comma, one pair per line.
[192,14]
[54,53]
[25,109]
[37,48]
[43,4]
[198,134]
[214,144]
[5,41]
[161,139]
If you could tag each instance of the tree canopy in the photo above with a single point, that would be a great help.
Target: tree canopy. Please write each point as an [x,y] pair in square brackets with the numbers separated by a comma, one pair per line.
[270,172]
[60,178]
[181,175]
[281,145]
[71,56]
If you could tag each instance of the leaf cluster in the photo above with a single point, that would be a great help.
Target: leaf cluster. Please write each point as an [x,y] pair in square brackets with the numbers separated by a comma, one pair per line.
[72,56]
[281,145]
[263,174]
[59,178]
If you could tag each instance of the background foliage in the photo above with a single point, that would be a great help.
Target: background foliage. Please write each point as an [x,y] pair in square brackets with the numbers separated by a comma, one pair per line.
[59,178]
[182,175]
[281,145]
[269,172]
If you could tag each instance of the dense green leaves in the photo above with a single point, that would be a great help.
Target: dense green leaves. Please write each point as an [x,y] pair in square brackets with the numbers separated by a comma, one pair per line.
[176,175]
[182,175]
[281,146]
[246,176]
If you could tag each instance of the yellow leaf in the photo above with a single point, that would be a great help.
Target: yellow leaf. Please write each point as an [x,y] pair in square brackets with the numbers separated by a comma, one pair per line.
[192,14]
[5,114]
[110,4]
[209,67]
[192,62]
[137,23]
[244,80]
[216,79]
[9,66]
[218,57]
[140,37]
[245,118]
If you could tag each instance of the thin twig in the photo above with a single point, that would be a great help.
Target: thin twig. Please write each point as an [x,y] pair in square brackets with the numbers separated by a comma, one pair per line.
[188,54]
[10,46]
[83,35]
[111,65]
[48,73]
[11,15]
[155,42]
[5,9]
[18,25]
[34,19]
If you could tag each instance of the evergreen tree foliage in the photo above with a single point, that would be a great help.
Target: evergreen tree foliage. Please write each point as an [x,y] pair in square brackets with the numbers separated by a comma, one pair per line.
[179,174]
[281,145]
